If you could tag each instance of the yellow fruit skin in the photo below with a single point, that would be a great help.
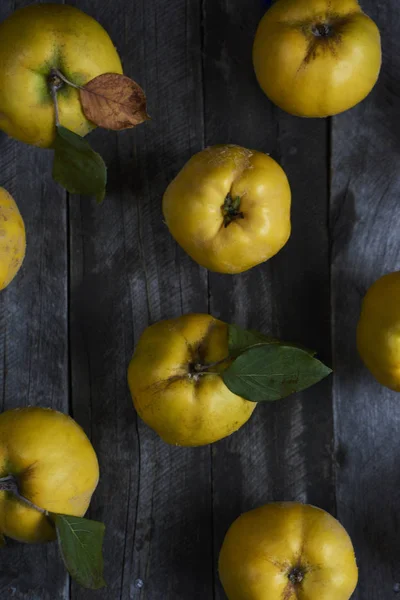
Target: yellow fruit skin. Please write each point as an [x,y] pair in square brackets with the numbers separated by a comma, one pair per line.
[378,331]
[182,409]
[12,239]
[56,468]
[32,41]
[312,76]
[263,546]
[193,202]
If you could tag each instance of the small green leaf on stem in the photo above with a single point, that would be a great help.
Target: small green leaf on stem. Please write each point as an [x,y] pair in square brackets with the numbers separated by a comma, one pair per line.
[270,372]
[81,542]
[2,541]
[78,168]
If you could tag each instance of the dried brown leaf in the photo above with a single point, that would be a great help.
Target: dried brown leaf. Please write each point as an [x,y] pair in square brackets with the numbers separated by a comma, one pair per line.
[114,101]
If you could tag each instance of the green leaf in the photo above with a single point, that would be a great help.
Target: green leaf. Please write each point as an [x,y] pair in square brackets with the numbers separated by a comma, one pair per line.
[78,168]
[2,541]
[81,542]
[273,371]
[240,340]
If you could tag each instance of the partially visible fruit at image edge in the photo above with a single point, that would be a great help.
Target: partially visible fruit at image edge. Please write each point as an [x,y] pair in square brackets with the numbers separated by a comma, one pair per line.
[229,208]
[53,465]
[60,77]
[378,331]
[34,41]
[287,551]
[12,239]
[316,59]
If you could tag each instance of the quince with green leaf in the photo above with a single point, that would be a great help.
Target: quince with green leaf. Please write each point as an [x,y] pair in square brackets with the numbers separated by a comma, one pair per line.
[196,380]
[48,473]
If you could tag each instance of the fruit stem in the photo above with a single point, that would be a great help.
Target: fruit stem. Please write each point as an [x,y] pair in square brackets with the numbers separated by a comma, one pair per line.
[198,368]
[56,80]
[54,96]
[10,484]
[55,83]
[55,71]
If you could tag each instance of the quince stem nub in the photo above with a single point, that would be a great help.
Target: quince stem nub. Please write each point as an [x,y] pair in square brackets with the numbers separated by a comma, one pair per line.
[56,80]
[203,369]
[54,96]
[231,210]
[56,72]
[55,83]
[10,484]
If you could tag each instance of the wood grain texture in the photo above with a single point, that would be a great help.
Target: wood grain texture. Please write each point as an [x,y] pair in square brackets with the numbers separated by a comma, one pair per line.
[96,277]
[127,272]
[33,337]
[365,222]
[284,452]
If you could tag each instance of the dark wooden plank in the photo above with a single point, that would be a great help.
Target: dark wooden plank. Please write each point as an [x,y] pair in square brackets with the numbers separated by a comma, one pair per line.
[284,452]
[126,272]
[34,336]
[365,229]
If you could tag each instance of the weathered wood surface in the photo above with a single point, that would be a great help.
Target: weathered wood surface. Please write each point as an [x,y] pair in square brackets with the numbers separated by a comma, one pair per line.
[95,277]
